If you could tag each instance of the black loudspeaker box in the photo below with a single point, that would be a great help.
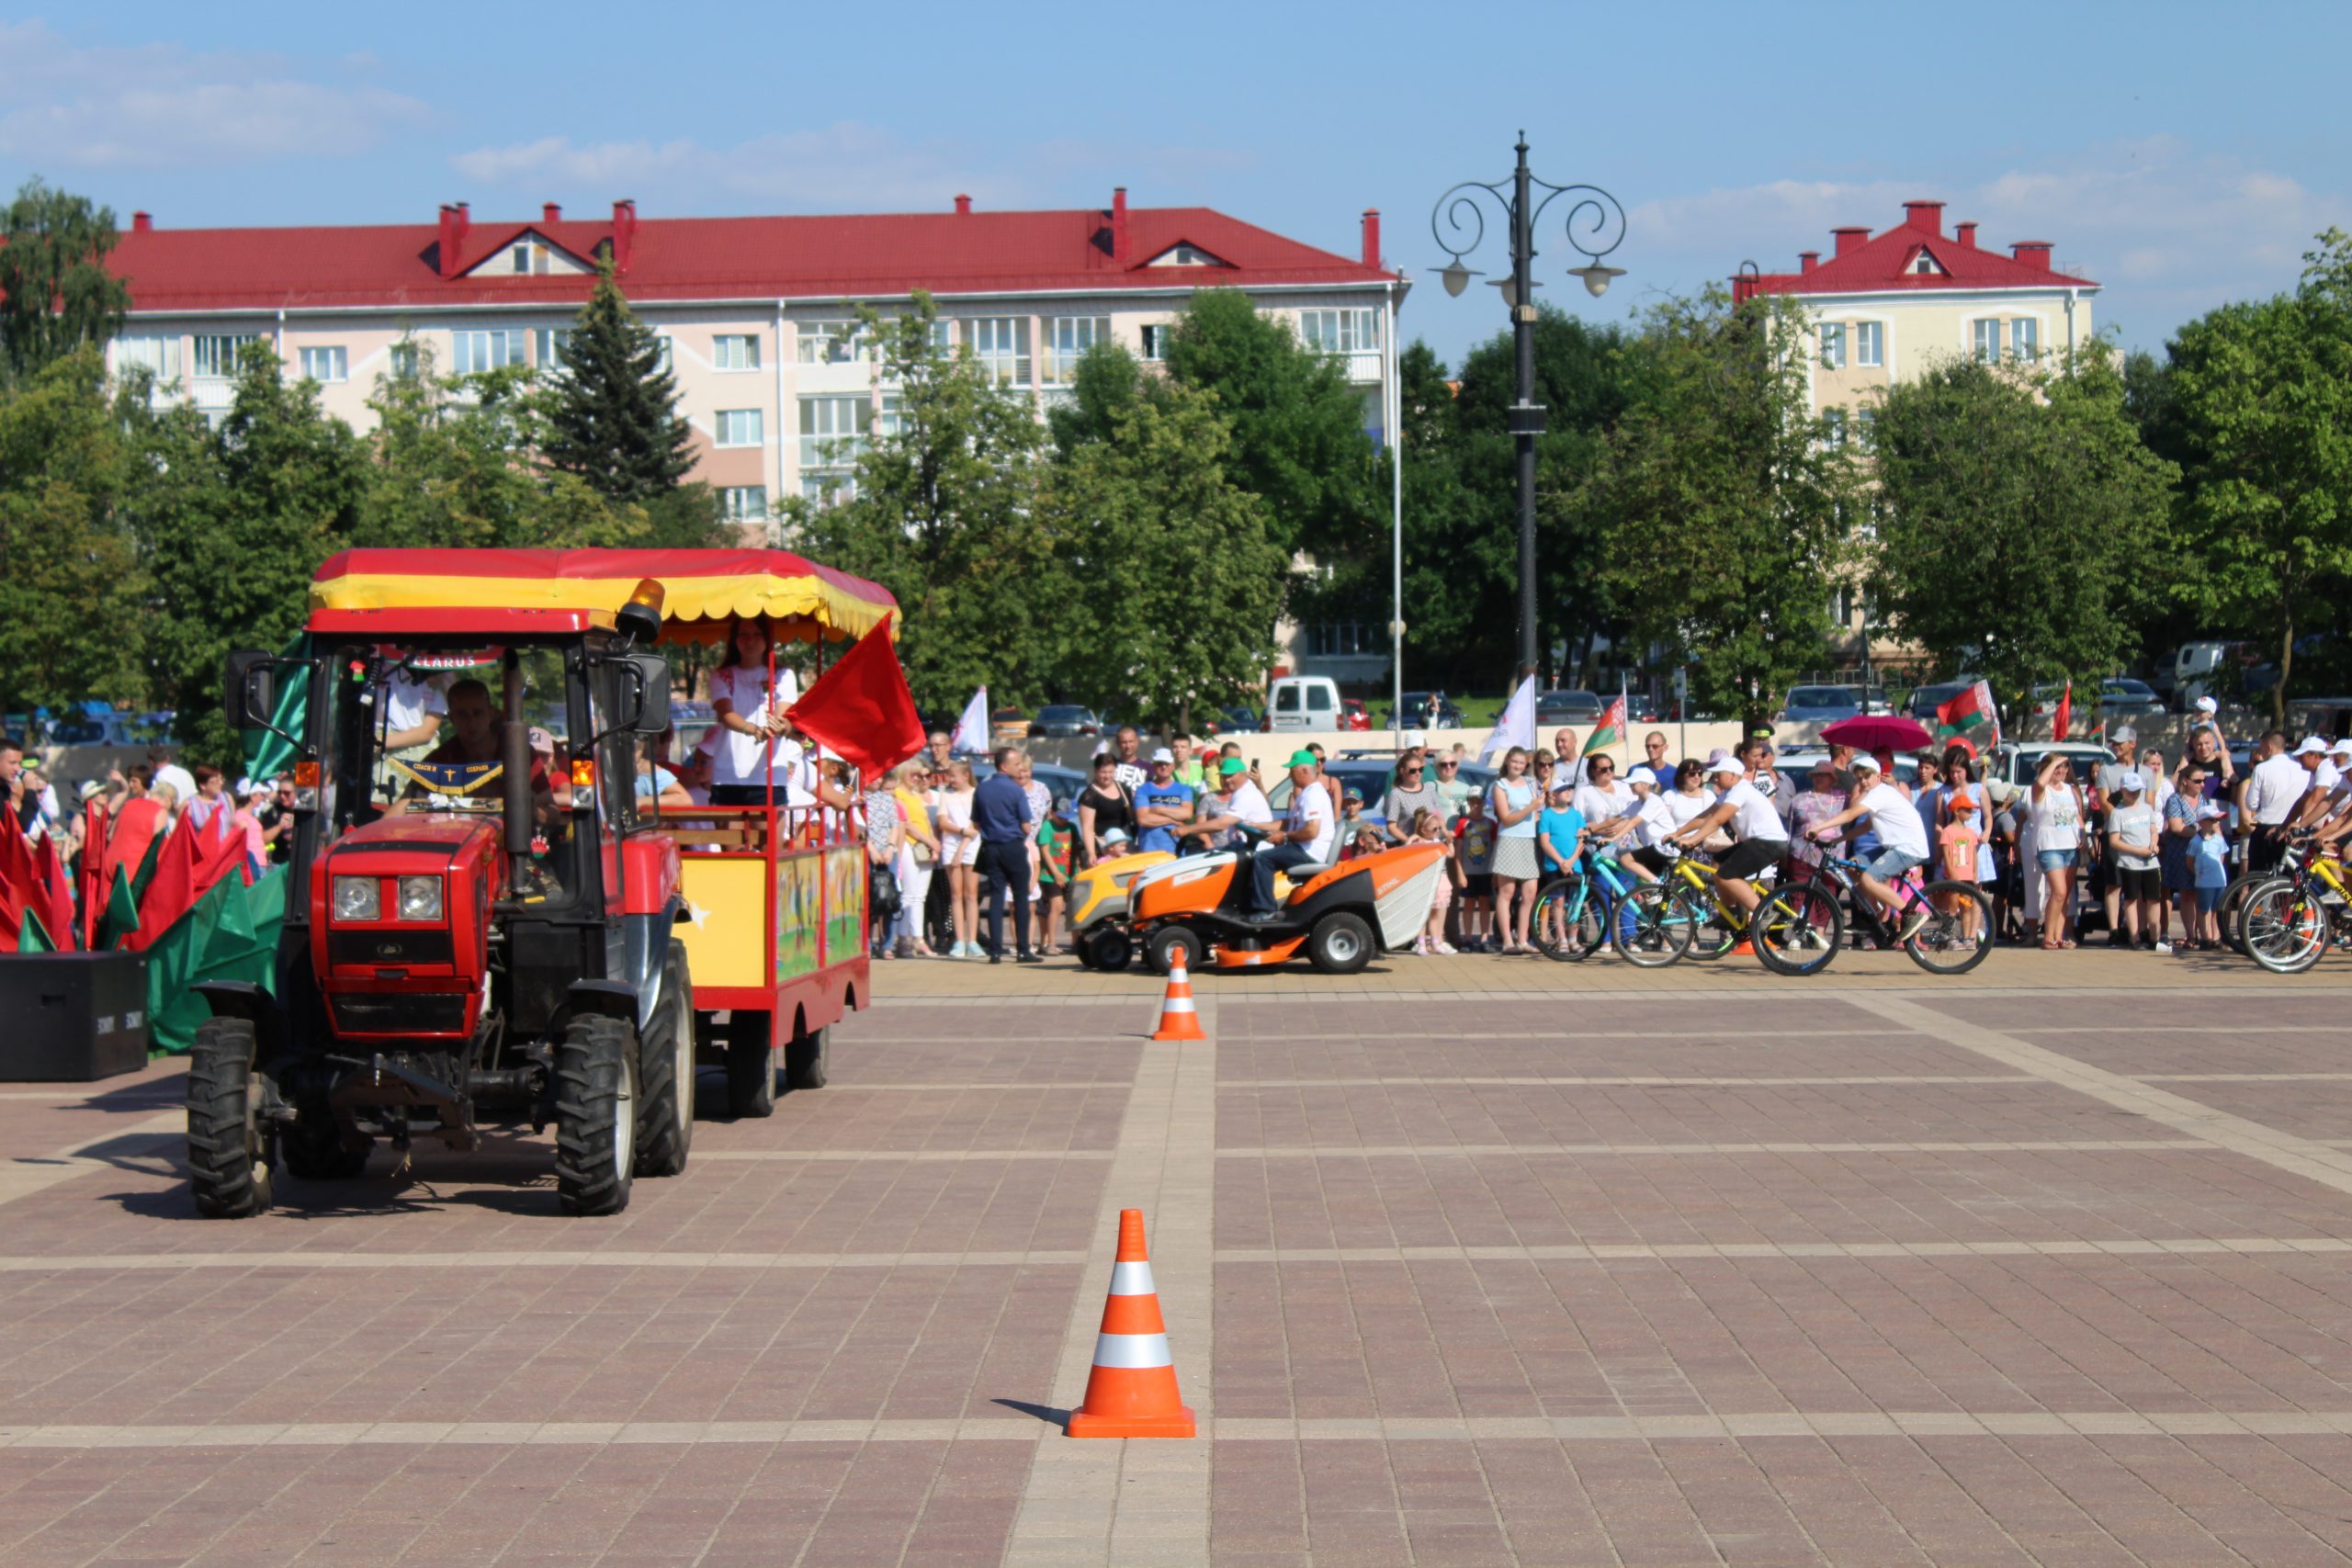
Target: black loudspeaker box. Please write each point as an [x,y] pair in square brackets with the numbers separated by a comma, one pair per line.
[71,1016]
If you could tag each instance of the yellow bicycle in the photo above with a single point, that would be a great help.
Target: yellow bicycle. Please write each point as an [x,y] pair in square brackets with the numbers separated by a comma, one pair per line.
[1794,930]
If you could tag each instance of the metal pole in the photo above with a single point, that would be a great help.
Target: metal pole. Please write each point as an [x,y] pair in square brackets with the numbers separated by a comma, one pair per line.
[1522,256]
[1393,418]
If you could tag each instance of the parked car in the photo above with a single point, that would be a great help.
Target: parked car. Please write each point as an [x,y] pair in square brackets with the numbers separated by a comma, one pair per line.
[2210,669]
[1353,714]
[1062,784]
[2017,762]
[1302,702]
[1568,707]
[1821,705]
[1925,700]
[1064,721]
[2122,697]
[1239,721]
[1796,764]
[1007,726]
[1417,711]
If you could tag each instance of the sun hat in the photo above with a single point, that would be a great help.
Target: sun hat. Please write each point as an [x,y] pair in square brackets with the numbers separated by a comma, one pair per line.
[2208,705]
[1116,836]
[1822,765]
[1302,758]
[1163,754]
[1232,765]
[542,741]
[2133,780]
[2001,791]
[92,787]
[2312,746]
[2341,747]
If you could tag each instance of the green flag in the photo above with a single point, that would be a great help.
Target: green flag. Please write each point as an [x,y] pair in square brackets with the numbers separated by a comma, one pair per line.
[122,910]
[32,936]
[268,753]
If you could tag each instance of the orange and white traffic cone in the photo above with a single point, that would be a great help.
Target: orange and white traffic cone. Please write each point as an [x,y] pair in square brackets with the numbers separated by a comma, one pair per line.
[1132,1391]
[1179,1020]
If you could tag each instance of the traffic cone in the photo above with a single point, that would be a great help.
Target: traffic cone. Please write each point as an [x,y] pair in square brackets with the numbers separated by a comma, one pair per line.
[1132,1391]
[1179,1020]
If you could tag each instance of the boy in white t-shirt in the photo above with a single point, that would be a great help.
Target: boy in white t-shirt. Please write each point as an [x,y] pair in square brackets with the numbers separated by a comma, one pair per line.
[1903,839]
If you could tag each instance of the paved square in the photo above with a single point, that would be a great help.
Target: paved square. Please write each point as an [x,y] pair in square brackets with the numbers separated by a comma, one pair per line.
[1465,1262]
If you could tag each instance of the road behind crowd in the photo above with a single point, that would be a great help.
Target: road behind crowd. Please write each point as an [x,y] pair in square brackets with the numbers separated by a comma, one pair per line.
[1464,1260]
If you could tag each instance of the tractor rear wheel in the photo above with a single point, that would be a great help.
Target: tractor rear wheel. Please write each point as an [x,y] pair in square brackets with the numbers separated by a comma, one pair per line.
[228,1155]
[596,1114]
[750,1064]
[665,1117]
[1340,944]
[804,1059]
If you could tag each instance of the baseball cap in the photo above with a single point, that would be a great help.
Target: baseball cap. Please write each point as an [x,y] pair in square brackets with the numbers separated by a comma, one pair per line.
[1355,795]
[2133,780]
[1415,737]
[2208,705]
[1302,758]
[2341,747]
[542,741]
[1163,754]
[1962,801]
[2210,812]
[1722,762]
[1232,766]
[1061,806]
[1864,763]
[1641,777]
[2125,732]
[2312,746]
[1564,787]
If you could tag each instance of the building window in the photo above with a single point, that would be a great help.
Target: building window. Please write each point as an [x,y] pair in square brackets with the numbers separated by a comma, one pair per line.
[2025,338]
[1988,344]
[1833,346]
[528,256]
[403,360]
[828,343]
[215,356]
[832,431]
[1067,338]
[661,352]
[891,420]
[1340,332]
[470,353]
[1155,342]
[739,427]
[1001,344]
[746,503]
[735,351]
[1833,429]
[1866,429]
[1343,639]
[325,365]
[1870,343]
[159,356]
[546,346]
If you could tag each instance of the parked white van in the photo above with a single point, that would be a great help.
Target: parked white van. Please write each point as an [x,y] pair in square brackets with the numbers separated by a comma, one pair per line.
[1302,702]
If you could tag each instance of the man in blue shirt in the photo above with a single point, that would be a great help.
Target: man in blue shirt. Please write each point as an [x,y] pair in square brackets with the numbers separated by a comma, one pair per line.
[1001,815]
[1163,804]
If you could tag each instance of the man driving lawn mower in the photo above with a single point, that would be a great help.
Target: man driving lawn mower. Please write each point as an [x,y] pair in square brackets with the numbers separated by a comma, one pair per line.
[1306,837]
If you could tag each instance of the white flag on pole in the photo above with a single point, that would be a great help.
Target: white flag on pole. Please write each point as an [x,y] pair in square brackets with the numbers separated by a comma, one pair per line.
[1515,727]
[971,737]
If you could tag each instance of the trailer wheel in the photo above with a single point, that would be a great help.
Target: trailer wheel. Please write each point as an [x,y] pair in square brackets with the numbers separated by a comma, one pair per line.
[750,1064]
[804,1058]
[596,1114]
[228,1157]
[1340,944]
[665,1116]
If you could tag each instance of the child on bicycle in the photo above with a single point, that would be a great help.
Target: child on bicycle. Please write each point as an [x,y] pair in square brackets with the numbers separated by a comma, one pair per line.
[1428,827]
[1903,842]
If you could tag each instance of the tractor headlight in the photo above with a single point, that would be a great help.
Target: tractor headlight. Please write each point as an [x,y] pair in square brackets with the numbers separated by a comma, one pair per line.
[420,898]
[357,899]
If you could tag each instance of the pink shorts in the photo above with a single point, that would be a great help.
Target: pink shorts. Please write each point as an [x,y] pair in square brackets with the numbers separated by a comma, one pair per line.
[1444,895]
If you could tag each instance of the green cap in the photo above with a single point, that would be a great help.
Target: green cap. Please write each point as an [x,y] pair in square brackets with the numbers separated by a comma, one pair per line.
[1302,758]
[1232,765]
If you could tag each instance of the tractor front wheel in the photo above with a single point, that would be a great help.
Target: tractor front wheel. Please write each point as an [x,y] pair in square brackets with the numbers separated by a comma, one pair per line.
[596,1114]
[228,1154]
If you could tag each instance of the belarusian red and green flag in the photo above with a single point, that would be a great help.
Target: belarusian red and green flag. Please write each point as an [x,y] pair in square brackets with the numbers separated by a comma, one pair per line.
[1969,715]
[1610,728]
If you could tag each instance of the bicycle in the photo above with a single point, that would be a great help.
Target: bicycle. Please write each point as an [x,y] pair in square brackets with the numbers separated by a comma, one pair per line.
[2286,921]
[1943,945]
[1794,930]
[1577,912]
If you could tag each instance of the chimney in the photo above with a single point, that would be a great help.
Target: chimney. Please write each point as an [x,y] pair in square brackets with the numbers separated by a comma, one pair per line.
[962,207]
[549,212]
[2035,254]
[623,234]
[1119,226]
[452,235]
[1928,215]
[1372,238]
[1966,235]
[141,223]
[1849,241]
[1807,261]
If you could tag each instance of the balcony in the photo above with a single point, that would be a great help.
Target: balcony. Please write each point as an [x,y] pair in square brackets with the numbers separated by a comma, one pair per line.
[1361,366]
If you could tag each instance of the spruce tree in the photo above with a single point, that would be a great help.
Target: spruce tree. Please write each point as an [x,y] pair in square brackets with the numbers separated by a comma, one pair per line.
[612,419]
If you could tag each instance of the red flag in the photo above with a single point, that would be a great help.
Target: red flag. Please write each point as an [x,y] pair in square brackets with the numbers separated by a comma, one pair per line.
[172,892]
[217,856]
[17,889]
[2059,724]
[135,827]
[861,708]
[54,900]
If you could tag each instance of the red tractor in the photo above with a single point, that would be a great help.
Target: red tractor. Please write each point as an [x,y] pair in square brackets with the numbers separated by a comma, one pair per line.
[492,937]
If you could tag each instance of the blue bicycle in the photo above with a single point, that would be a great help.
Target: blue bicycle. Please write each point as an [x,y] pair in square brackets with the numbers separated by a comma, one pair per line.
[1579,911]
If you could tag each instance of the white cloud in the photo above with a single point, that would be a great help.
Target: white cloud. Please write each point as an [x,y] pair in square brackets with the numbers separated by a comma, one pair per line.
[842,165]
[2170,230]
[162,106]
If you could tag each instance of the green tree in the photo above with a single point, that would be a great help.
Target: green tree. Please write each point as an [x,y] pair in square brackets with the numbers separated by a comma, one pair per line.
[1727,512]
[231,525]
[2022,518]
[2265,396]
[944,514]
[1298,427]
[56,295]
[613,418]
[70,613]
[1168,557]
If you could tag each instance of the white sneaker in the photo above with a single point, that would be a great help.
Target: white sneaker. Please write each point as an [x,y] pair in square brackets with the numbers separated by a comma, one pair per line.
[2164,950]
[1445,947]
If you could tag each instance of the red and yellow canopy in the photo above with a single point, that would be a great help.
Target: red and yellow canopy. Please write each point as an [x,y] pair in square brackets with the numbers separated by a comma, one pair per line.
[410,591]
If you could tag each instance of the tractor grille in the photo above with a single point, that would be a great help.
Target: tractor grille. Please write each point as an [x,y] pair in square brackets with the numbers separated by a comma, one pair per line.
[402,1012]
[365,948]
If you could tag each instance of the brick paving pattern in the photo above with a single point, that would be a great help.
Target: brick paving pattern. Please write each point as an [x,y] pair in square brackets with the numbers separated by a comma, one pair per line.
[1466,1261]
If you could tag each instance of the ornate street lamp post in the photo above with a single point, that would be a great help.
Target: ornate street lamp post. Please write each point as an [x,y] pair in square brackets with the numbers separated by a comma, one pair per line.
[1457,216]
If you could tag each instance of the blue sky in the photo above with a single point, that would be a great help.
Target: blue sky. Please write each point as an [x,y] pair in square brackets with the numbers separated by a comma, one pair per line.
[2182,155]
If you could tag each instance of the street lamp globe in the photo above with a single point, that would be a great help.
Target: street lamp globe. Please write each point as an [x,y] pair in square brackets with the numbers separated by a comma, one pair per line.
[1596,277]
[1457,278]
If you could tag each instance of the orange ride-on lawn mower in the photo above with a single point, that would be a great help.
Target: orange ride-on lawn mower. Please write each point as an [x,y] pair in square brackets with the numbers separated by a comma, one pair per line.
[1335,916]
